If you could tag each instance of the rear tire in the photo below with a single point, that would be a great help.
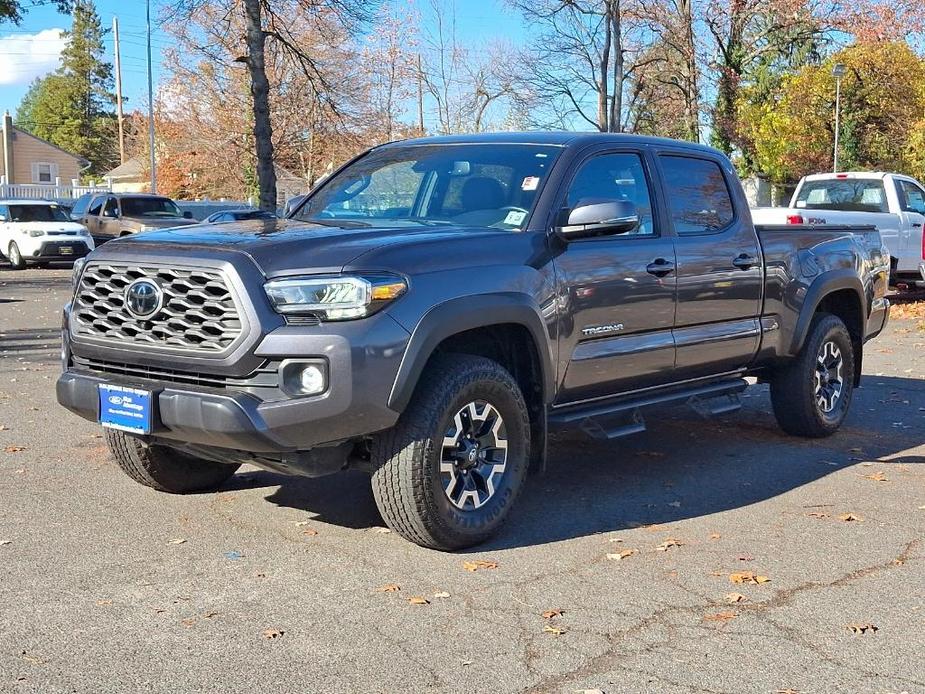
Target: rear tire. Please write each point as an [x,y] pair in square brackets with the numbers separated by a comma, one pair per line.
[811,394]
[449,471]
[163,468]
[15,256]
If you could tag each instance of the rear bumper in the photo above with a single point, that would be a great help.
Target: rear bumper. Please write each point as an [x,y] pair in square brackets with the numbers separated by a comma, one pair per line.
[362,362]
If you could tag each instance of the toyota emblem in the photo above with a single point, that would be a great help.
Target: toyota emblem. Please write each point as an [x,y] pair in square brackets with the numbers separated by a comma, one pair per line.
[143,298]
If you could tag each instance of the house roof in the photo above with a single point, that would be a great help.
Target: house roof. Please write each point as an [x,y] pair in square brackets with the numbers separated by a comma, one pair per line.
[131,168]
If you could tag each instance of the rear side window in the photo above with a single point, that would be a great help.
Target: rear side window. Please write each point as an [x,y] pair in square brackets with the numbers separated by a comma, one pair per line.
[698,197]
[96,206]
[844,194]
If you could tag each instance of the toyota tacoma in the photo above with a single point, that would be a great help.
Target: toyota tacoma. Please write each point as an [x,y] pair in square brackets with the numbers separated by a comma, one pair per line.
[434,308]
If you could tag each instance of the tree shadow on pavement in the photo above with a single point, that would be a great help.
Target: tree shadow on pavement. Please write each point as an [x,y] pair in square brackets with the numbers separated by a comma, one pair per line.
[682,467]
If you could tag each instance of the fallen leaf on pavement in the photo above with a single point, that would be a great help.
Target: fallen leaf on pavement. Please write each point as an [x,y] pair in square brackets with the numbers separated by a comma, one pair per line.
[719,617]
[176,541]
[862,628]
[735,597]
[748,577]
[101,603]
[555,631]
[614,539]
[209,615]
[272,633]
[746,557]
[849,517]
[299,524]
[817,514]
[668,544]
[715,536]
[418,600]
[787,691]
[188,622]
[14,449]
[591,691]
[876,477]
[34,660]
[441,594]
[5,542]
[549,614]
[617,556]
[479,564]
[311,532]
[390,588]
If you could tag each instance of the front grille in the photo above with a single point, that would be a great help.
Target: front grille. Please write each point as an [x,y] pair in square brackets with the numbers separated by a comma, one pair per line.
[266,376]
[198,312]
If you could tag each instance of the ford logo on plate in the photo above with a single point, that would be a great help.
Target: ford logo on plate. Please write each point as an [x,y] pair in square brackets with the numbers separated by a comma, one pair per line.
[143,298]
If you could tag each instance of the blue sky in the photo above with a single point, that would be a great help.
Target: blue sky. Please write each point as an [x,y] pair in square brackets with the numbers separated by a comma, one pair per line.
[31,49]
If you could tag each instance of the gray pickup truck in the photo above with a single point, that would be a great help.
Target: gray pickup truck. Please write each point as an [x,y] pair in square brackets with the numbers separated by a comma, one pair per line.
[437,306]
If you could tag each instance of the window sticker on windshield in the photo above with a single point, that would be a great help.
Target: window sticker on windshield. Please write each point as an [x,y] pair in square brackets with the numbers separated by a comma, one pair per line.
[515,217]
[530,183]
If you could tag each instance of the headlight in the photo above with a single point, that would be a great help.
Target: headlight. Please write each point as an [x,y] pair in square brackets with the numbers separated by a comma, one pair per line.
[36,232]
[335,298]
[78,269]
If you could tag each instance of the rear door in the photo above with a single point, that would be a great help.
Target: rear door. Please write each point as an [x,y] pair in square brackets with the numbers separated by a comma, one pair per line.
[912,206]
[617,293]
[719,274]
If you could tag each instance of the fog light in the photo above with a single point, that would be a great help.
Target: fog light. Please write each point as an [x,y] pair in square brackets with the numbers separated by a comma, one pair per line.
[304,377]
[312,379]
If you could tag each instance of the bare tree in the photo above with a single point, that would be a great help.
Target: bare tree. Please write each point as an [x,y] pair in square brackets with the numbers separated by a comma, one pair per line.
[273,22]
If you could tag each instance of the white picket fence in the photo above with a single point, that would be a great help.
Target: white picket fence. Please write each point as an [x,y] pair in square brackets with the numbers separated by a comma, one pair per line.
[58,190]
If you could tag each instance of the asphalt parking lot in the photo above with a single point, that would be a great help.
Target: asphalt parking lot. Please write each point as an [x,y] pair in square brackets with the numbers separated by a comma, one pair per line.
[279,584]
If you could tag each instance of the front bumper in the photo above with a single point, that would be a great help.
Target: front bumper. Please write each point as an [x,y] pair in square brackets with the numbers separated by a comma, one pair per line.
[64,249]
[363,358]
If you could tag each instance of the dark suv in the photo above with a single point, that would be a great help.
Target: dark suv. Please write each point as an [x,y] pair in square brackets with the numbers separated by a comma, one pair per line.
[436,306]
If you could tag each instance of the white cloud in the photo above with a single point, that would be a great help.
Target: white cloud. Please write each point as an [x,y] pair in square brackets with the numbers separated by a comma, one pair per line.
[24,57]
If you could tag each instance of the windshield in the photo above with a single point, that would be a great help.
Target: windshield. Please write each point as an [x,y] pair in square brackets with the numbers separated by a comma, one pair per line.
[37,213]
[470,185]
[845,194]
[150,207]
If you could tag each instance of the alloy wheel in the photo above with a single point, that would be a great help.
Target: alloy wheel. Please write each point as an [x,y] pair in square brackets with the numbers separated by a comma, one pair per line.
[828,380]
[473,457]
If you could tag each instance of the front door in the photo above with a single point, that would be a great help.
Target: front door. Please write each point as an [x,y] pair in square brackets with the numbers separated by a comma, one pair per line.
[110,226]
[616,293]
[912,201]
[91,219]
[720,276]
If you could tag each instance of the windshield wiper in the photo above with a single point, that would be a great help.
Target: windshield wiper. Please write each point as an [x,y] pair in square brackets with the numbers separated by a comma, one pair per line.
[346,223]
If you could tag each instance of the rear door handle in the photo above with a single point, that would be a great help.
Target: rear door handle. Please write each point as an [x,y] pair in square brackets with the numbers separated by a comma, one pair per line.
[745,262]
[660,267]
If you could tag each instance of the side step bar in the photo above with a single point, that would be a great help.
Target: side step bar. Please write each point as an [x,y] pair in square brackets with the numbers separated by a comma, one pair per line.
[622,417]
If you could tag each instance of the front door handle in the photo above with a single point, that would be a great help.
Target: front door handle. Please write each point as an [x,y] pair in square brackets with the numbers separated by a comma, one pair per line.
[745,262]
[660,267]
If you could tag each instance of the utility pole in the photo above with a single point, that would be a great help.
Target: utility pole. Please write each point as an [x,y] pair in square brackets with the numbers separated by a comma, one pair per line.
[420,96]
[150,101]
[115,35]
[837,72]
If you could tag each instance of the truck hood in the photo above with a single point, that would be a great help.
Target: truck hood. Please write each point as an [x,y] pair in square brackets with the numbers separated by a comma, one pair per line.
[157,222]
[285,246]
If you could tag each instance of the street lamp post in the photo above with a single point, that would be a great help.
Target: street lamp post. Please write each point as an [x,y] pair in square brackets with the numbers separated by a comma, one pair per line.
[838,71]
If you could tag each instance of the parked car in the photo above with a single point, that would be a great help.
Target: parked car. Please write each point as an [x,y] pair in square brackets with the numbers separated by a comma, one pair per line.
[436,306]
[894,203]
[238,216]
[37,232]
[111,215]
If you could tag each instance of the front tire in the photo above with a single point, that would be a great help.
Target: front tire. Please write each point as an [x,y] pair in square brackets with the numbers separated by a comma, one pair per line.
[449,471]
[811,395]
[163,468]
[15,256]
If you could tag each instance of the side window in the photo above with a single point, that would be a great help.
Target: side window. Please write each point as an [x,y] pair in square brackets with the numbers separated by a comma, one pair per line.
[80,206]
[913,197]
[698,198]
[614,177]
[4,214]
[96,206]
[112,208]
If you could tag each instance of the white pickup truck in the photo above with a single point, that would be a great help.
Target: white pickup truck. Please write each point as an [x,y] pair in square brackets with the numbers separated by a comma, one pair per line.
[894,203]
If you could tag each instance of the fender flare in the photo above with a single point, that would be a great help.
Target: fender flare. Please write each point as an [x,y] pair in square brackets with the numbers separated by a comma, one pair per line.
[466,313]
[822,286]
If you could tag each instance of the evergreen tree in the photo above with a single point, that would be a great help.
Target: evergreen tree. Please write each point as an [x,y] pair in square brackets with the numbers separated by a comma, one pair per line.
[72,108]
[13,10]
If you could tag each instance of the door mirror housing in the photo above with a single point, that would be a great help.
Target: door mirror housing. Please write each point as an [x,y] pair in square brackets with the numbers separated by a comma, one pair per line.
[599,218]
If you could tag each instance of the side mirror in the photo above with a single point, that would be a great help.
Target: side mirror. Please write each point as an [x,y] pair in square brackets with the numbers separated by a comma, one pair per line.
[187,215]
[599,218]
